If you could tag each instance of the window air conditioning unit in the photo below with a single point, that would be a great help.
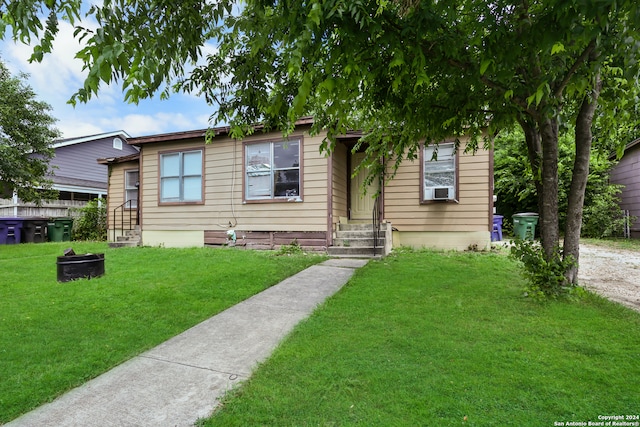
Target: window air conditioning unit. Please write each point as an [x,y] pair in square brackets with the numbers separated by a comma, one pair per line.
[443,193]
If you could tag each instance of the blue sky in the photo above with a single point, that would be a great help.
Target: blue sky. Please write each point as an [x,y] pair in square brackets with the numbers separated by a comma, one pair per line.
[59,75]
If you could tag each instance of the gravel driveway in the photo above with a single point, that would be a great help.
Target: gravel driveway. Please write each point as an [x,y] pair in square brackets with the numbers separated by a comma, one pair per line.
[612,273]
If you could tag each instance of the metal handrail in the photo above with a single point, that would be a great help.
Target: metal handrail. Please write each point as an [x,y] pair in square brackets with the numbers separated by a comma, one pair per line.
[376,223]
[122,207]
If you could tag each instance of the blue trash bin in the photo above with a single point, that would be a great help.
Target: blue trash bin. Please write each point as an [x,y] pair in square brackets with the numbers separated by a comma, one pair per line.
[496,233]
[10,230]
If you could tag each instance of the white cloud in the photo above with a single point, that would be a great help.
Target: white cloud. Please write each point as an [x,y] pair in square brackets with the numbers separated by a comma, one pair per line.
[60,75]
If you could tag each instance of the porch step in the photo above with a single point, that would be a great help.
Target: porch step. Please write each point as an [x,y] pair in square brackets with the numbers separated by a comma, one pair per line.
[123,244]
[356,241]
[130,238]
[355,252]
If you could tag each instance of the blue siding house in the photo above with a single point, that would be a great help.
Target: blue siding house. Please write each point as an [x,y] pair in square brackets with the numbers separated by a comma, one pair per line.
[75,172]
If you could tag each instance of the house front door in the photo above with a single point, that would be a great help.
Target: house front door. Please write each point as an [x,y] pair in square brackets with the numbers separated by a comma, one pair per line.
[361,206]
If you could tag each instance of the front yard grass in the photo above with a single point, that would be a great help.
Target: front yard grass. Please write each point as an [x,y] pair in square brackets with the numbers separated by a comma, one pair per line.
[445,339]
[55,336]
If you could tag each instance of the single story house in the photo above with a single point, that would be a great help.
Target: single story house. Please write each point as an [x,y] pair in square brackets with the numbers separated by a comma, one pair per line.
[627,173]
[265,191]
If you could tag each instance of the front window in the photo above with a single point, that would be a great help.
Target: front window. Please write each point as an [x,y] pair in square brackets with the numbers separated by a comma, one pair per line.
[181,177]
[131,183]
[272,170]
[439,172]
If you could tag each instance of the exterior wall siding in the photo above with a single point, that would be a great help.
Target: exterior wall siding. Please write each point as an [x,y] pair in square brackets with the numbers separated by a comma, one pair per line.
[466,221]
[627,173]
[223,207]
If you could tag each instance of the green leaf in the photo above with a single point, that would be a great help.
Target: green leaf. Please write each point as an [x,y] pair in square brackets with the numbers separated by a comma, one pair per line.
[105,71]
[484,65]
[557,48]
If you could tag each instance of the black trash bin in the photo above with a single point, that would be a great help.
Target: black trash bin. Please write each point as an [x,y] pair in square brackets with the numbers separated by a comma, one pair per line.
[73,267]
[34,230]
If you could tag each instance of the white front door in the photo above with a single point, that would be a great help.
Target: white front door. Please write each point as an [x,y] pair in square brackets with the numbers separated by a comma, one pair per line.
[361,205]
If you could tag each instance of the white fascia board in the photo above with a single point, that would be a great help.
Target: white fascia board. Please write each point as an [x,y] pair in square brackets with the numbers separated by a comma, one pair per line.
[90,138]
[79,189]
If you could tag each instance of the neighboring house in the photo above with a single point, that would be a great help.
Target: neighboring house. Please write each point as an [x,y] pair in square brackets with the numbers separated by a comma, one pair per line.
[627,173]
[267,191]
[75,174]
[74,170]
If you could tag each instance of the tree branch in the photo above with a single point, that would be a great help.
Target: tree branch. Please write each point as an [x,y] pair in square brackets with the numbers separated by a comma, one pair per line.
[579,61]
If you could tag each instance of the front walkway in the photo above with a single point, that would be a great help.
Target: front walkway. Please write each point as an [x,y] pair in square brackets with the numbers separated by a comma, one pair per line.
[182,380]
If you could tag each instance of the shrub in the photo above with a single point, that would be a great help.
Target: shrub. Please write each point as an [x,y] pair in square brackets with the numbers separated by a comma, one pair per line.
[546,278]
[291,249]
[92,222]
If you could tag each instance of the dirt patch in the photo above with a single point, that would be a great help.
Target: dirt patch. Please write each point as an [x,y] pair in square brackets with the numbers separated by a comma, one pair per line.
[612,273]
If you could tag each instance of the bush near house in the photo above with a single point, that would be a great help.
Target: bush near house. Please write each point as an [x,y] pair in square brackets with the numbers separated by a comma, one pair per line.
[91,224]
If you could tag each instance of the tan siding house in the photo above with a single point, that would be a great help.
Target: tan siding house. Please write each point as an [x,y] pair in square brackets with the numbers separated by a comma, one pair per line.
[265,191]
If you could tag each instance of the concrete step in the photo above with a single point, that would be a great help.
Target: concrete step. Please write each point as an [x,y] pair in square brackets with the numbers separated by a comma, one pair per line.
[127,238]
[355,252]
[124,244]
[354,227]
[357,242]
[358,234]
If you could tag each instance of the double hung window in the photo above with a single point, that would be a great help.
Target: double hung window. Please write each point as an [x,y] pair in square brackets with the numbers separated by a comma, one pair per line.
[439,172]
[181,177]
[131,182]
[272,170]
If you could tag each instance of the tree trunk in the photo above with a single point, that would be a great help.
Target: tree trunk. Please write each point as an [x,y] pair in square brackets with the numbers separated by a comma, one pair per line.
[549,232]
[571,247]
[534,152]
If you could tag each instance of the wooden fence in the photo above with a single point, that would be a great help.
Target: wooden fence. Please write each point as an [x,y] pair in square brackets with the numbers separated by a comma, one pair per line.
[49,209]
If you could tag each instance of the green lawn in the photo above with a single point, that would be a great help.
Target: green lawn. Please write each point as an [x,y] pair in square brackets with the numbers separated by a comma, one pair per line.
[442,339]
[55,336]
[615,243]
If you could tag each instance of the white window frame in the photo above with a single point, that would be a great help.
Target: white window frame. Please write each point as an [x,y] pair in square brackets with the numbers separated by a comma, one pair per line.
[180,176]
[264,164]
[444,163]
[130,187]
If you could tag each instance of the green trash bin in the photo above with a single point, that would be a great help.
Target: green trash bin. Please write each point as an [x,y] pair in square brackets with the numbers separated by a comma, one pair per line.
[524,225]
[59,229]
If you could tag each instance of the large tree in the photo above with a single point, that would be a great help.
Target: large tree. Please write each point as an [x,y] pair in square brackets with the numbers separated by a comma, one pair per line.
[403,71]
[26,134]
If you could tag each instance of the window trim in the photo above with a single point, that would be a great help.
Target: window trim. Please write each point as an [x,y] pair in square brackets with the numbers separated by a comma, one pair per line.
[182,151]
[456,166]
[127,171]
[275,199]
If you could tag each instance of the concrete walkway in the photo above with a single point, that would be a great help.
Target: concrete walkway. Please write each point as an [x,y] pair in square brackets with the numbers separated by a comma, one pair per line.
[182,380]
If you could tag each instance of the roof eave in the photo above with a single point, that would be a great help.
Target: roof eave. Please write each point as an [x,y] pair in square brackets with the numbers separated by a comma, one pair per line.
[200,133]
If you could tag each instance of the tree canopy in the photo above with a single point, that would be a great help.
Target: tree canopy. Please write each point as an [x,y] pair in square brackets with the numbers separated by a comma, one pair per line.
[26,133]
[402,71]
